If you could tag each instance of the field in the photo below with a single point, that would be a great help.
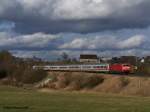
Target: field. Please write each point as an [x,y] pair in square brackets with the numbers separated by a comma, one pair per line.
[20,100]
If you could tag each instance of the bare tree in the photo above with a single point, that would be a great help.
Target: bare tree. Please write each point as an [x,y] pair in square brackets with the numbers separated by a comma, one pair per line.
[65,56]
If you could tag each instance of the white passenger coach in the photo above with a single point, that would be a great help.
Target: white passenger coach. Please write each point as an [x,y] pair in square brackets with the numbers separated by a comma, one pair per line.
[90,67]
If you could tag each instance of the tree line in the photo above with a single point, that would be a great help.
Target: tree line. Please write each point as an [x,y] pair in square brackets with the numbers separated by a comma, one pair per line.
[16,71]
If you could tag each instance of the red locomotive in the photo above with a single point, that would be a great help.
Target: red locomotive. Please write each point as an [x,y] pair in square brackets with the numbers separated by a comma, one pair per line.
[121,68]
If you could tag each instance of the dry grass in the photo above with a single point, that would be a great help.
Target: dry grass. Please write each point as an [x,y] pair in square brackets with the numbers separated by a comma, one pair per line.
[138,86]
[76,81]
[112,85]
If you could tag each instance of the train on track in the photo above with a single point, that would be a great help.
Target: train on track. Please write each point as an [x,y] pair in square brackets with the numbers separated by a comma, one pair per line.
[107,68]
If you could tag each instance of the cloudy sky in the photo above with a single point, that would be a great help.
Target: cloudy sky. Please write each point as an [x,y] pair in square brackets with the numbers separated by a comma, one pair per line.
[46,28]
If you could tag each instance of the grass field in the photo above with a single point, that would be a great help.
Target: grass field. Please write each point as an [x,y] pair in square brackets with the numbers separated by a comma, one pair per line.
[19,100]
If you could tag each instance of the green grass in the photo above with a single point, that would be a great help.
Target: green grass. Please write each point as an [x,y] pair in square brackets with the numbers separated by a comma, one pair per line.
[19,100]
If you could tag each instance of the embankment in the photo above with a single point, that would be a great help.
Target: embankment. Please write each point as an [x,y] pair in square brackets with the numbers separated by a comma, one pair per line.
[95,82]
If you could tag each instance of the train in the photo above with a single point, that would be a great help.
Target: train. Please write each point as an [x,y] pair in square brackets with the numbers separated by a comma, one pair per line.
[105,68]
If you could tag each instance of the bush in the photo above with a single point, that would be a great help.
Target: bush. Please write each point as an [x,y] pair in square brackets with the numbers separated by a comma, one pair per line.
[91,81]
[78,81]
[3,74]
[17,71]
[63,80]
[30,76]
[124,81]
[143,69]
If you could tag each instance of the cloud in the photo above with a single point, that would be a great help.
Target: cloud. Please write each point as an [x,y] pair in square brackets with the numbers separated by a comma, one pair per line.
[111,26]
[81,16]
[88,9]
[66,9]
[56,54]
[107,43]
[132,42]
[103,42]
[36,40]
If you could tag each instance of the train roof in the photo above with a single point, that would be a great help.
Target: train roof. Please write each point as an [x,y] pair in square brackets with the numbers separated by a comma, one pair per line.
[102,64]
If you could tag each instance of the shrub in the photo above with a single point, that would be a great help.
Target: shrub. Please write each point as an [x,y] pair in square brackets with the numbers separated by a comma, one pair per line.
[143,69]
[124,81]
[3,74]
[17,71]
[81,81]
[30,76]
[91,81]
[63,80]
